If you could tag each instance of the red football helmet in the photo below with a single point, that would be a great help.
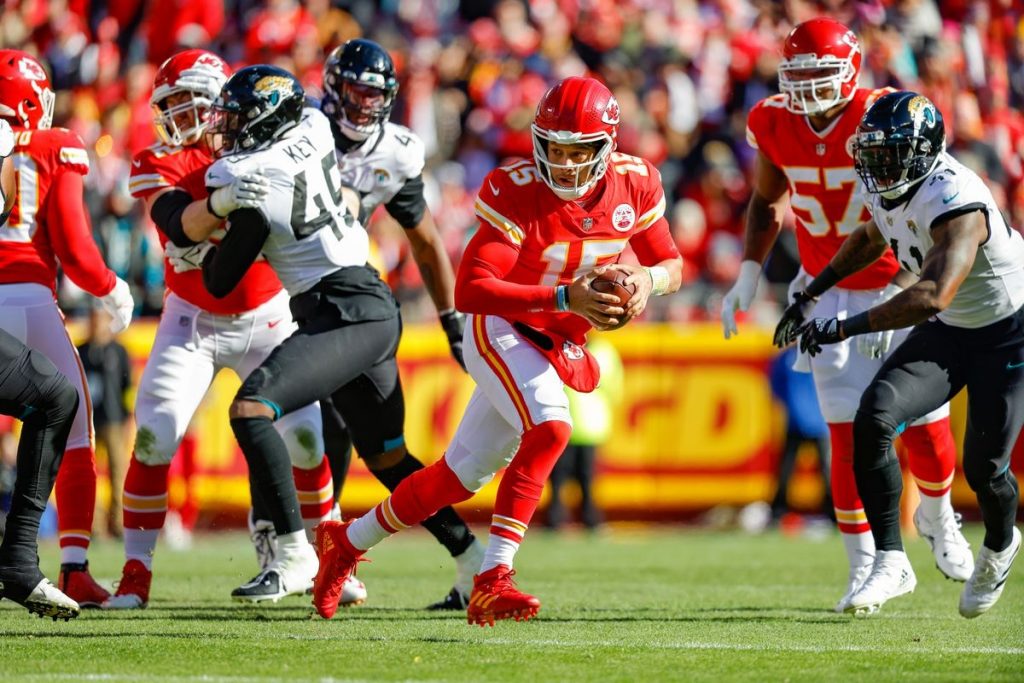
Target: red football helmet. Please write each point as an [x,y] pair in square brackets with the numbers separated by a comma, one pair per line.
[576,111]
[820,66]
[200,75]
[26,97]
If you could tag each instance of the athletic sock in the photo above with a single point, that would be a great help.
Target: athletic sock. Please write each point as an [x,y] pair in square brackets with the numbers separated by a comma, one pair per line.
[76,503]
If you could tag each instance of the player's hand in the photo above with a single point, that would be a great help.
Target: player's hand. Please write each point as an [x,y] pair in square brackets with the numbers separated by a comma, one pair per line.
[793,318]
[740,296]
[6,139]
[119,304]
[204,79]
[453,323]
[247,191]
[819,332]
[601,309]
[186,258]
[641,279]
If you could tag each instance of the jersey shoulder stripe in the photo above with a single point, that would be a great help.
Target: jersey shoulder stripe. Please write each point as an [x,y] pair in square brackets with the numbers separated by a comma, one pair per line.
[508,227]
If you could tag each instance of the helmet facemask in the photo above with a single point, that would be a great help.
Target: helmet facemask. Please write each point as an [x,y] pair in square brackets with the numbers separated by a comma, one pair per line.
[584,173]
[891,168]
[816,85]
[184,121]
[363,106]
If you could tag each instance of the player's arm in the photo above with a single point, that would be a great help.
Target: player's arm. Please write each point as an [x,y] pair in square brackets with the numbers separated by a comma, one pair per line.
[73,243]
[225,264]
[186,221]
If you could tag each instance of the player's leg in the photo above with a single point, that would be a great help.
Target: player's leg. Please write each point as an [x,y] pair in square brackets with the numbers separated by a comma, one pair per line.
[315,361]
[32,390]
[560,473]
[337,448]
[374,406]
[585,466]
[995,415]
[177,374]
[920,376]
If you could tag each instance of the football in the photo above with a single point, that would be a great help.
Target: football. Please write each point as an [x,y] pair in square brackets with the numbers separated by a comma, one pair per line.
[614,282]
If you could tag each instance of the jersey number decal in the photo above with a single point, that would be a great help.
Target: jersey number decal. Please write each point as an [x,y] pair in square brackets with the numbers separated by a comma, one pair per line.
[809,208]
[304,228]
[914,252]
[565,262]
[26,188]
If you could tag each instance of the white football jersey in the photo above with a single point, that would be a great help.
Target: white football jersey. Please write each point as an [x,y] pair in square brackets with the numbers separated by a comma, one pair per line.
[311,233]
[379,168]
[994,289]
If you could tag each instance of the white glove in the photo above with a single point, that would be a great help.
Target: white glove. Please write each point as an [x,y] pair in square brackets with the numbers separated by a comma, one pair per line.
[202,79]
[244,192]
[119,304]
[740,296]
[6,139]
[186,258]
[876,344]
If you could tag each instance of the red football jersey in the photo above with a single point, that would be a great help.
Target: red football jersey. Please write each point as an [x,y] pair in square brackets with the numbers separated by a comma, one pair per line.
[826,195]
[161,166]
[43,229]
[558,240]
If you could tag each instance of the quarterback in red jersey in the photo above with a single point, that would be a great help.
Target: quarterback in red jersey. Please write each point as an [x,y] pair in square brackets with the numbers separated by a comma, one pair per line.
[47,224]
[200,334]
[547,228]
[803,137]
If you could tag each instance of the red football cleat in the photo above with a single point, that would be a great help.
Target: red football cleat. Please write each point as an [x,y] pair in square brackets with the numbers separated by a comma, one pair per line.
[495,597]
[133,590]
[338,560]
[76,583]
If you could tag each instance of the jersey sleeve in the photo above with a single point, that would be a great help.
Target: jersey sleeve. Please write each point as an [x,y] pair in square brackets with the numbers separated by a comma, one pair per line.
[650,198]
[495,207]
[148,175]
[69,151]
[220,173]
[760,123]
[947,194]
[411,157]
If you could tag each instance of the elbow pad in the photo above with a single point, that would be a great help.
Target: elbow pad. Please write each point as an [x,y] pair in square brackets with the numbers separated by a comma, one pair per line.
[167,212]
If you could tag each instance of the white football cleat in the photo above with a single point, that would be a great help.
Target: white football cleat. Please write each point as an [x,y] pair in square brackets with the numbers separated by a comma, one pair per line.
[853,583]
[44,600]
[986,584]
[951,550]
[290,574]
[264,540]
[353,592]
[891,576]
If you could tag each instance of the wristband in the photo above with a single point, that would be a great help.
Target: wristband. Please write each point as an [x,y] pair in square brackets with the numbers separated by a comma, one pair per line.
[858,324]
[659,279]
[562,298]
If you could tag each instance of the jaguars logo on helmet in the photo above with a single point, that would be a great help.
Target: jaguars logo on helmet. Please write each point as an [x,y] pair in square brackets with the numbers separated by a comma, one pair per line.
[360,86]
[898,143]
[255,107]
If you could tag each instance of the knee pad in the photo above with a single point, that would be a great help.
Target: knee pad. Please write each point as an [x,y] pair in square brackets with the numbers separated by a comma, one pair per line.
[303,438]
[475,470]
[156,442]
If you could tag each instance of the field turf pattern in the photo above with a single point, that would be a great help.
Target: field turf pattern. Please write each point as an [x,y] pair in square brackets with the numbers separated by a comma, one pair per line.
[630,604]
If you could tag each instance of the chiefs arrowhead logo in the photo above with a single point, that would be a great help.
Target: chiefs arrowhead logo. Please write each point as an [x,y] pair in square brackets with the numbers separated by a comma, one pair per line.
[210,60]
[611,112]
[31,70]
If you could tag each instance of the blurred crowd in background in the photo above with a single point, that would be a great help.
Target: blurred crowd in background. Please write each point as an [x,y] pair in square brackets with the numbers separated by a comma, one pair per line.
[685,73]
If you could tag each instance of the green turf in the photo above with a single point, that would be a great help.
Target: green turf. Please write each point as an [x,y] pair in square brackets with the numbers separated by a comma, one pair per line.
[629,605]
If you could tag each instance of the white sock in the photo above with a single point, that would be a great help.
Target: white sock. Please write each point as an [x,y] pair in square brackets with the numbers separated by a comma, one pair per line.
[293,543]
[366,532]
[311,523]
[500,550]
[73,554]
[139,544]
[467,565]
[860,549]
[933,508]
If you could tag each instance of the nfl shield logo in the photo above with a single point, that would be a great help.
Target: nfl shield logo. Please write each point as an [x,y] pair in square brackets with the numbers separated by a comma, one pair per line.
[820,149]
[588,223]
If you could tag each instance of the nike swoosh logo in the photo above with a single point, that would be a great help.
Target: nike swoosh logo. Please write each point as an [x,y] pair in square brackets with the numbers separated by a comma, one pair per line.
[1014,366]
[947,200]
[136,163]
[273,323]
[493,188]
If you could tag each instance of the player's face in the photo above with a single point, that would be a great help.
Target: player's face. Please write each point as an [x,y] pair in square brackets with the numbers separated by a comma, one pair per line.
[187,116]
[571,164]
[363,103]
[813,86]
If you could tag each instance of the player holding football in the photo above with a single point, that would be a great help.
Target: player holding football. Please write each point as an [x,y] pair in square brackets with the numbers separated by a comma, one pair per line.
[942,223]
[48,223]
[548,227]
[199,334]
[802,137]
[383,162]
[33,391]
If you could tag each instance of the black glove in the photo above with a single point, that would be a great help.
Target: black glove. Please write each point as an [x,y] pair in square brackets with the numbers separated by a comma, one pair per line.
[818,332]
[793,318]
[453,323]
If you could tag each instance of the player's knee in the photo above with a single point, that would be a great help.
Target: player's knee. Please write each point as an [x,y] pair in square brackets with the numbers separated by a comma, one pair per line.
[873,435]
[555,432]
[305,445]
[64,398]
[982,473]
[243,407]
[475,470]
[155,443]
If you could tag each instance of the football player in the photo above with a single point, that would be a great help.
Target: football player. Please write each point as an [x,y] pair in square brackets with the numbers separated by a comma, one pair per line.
[347,319]
[383,162]
[803,160]
[548,227]
[942,224]
[200,334]
[48,223]
[32,390]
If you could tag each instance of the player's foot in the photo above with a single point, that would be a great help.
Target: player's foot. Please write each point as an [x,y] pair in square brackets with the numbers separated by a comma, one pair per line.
[951,550]
[33,591]
[853,583]
[336,513]
[466,567]
[77,583]
[264,540]
[891,576]
[338,560]
[496,597]
[133,589]
[290,574]
[986,584]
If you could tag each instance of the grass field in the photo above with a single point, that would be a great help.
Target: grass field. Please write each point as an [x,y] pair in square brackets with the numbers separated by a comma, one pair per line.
[629,605]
